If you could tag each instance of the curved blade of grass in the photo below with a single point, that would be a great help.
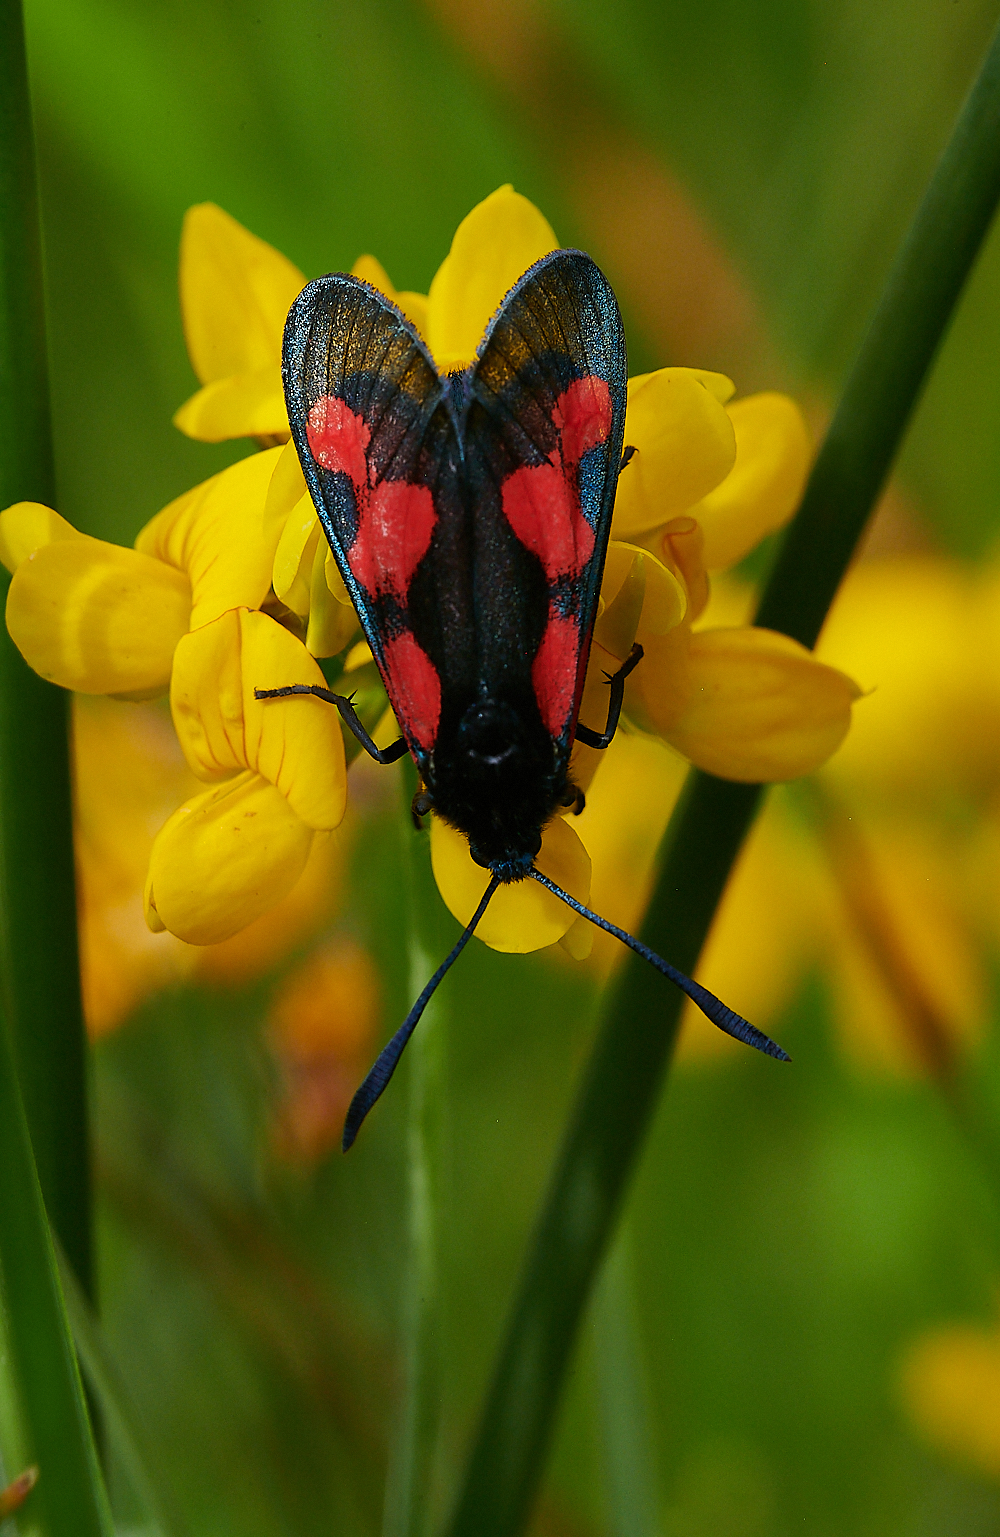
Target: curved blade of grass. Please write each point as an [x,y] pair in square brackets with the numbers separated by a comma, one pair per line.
[70,1500]
[119,1416]
[38,944]
[623,1080]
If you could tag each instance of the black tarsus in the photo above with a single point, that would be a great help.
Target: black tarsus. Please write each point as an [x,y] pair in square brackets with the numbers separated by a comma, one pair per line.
[713,1008]
[347,713]
[602,739]
[420,805]
[388,1057]
[628,453]
[573,796]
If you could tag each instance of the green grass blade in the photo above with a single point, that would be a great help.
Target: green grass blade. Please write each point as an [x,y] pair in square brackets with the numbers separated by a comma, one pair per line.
[624,1406]
[119,1416]
[624,1078]
[411,1482]
[38,943]
[69,1500]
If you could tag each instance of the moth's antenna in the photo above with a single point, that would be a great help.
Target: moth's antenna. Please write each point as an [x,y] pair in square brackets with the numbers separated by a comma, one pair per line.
[385,1064]
[713,1008]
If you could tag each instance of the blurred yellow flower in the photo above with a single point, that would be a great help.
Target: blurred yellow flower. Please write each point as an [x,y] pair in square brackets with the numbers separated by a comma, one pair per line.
[950,1388]
[880,873]
[322,1026]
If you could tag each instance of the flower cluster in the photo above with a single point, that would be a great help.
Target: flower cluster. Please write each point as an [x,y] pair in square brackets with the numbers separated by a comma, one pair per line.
[232,587]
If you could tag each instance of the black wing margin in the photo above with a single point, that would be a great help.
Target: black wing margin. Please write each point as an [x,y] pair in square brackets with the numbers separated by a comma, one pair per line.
[362,393]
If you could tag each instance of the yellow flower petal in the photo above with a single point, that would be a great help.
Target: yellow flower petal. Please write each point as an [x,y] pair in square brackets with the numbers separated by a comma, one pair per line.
[578,940]
[286,488]
[250,405]
[26,526]
[97,618]
[718,385]
[223,859]
[300,539]
[764,486]
[215,534]
[685,445]
[336,583]
[285,928]
[745,704]
[235,293]
[332,623]
[664,600]
[493,246]
[521,917]
[683,545]
[295,743]
[414,306]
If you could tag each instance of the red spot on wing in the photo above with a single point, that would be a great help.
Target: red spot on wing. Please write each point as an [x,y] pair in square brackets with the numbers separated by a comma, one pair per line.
[553,672]
[394,530]
[538,503]
[542,502]
[395,519]
[414,689]
[339,438]
[583,415]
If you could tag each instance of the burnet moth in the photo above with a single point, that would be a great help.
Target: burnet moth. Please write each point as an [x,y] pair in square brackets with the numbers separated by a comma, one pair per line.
[469,516]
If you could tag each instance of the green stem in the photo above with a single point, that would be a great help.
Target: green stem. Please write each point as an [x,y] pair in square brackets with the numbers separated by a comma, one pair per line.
[623,1399]
[622,1084]
[69,1500]
[412,1472]
[38,943]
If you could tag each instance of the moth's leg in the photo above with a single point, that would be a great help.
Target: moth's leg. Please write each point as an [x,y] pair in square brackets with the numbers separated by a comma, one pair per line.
[348,715]
[617,681]
[573,796]
[420,805]
[627,456]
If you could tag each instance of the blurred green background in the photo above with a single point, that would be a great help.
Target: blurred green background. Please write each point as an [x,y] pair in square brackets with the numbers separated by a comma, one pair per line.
[743,172]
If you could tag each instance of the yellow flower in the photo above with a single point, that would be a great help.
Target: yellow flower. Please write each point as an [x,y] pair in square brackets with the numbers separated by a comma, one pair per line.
[950,1387]
[183,610]
[706,479]
[235,293]
[225,857]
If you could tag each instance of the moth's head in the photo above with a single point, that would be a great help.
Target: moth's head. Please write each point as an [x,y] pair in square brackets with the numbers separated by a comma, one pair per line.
[508,864]
[495,784]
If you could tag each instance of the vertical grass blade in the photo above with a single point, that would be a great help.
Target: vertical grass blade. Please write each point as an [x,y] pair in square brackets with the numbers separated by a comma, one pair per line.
[624,1407]
[38,944]
[411,1482]
[69,1500]
[623,1080]
[134,1451]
